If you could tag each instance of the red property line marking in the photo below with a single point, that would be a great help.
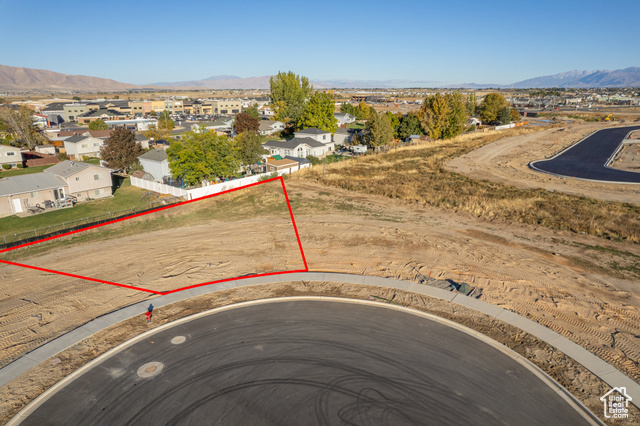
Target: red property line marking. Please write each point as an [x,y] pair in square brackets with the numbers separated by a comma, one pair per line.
[306,268]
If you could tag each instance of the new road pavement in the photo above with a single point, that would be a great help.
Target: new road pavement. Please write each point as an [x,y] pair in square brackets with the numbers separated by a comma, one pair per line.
[307,362]
[588,158]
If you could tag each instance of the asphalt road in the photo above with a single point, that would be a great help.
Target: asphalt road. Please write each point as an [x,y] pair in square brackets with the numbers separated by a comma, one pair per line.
[308,362]
[587,159]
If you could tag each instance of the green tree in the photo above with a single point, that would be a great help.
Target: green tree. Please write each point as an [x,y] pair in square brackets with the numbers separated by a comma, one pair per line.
[250,150]
[378,130]
[155,134]
[443,116]
[98,124]
[204,155]
[116,97]
[165,122]
[76,98]
[319,113]
[253,111]
[394,119]
[347,108]
[504,115]
[491,106]
[246,123]
[288,96]
[409,125]
[120,150]
[472,104]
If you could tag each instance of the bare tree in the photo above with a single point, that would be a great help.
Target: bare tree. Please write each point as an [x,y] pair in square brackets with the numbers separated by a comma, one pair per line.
[19,121]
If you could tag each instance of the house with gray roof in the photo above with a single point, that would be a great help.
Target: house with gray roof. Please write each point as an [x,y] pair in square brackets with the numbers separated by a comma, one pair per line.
[344,118]
[84,181]
[18,193]
[156,163]
[316,134]
[269,127]
[299,147]
[79,147]
[10,155]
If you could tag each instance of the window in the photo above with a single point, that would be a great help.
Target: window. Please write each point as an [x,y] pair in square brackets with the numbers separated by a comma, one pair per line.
[96,144]
[77,178]
[34,195]
[84,145]
[324,137]
[98,191]
[96,177]
[10,154]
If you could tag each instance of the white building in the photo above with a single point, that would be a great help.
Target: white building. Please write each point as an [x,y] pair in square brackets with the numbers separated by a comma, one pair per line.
[10,155]
[156,163]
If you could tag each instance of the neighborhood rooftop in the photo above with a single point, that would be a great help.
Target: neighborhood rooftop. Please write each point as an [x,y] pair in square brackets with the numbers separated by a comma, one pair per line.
[293,143]
[68,168]
[29,183]
[154,155]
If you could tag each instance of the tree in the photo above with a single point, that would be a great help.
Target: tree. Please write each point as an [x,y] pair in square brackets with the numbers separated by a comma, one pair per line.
[253,111]
[20,123]
[491,106]
[504,115]
[98,125]
[362,111]
[347,108]
[246,123]
[319,113]
[155,134]
[121,150]
[288,96]
[165,122]
[443,116]
[250,150]
[472,104]
[76,98]
[515,115]
[116,97]
[394,119]
[204,155]
[409,125]
[378,130]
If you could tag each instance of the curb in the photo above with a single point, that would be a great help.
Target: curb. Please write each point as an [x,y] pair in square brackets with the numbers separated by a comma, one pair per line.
[603,370]
[554,385]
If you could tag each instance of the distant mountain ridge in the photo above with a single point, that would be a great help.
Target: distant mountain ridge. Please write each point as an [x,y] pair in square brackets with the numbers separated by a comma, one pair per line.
[20,78]
[627,77]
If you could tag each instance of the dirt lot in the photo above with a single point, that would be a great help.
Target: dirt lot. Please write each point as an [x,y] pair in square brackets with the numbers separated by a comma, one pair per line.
[559,279]
[628,158]
[506,161]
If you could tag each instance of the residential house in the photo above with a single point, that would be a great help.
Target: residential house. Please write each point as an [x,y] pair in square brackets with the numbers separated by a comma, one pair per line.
[342,136]
[79,147]
[84,181]
[10,155]
[315,134]
[344,118]
[269,127]
[220,125]
[18,193]
[142,140]
[298,147]
[46,149]
[156,163]
[266,111]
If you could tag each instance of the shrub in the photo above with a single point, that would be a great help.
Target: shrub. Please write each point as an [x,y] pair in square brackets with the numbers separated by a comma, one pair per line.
[20,165]
[6,166]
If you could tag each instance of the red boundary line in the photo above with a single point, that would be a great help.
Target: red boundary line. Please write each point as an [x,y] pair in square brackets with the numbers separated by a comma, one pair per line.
[295,228]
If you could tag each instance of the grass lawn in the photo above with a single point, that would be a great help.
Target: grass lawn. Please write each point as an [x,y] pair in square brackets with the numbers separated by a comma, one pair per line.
[125,198]
[25,171]
[355,126]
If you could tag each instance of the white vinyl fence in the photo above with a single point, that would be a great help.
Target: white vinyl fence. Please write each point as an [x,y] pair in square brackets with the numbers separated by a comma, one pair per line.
[203,191]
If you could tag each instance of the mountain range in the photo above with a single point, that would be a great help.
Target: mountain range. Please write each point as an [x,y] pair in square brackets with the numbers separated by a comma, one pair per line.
[23,79]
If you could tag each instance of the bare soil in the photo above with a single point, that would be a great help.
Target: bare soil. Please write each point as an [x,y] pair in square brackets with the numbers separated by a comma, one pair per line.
[506,161]
[628,158]
[559,279]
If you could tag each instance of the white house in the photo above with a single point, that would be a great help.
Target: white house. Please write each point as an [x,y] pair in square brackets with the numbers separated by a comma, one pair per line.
[315,134]
[344,118]
[10,155]
[299,147]
[269,127]
[266,111]
[80,147]
[156,163]
[342,136]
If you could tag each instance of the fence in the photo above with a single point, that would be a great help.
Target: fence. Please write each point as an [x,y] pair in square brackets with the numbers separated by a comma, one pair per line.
[15,239]
[205,190]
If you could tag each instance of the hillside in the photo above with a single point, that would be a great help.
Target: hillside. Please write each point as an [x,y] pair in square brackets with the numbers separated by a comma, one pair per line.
[20,78]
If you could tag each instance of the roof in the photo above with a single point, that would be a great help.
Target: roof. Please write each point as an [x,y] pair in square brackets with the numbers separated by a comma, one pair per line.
[158,155]
[68,168]
[266,124]
[298,159]
[100,133]
[29,183]
[283,162]
[101,112]
[9,147]
[76,138]
[312,131]
[141,137]
[342,130]
[294,143]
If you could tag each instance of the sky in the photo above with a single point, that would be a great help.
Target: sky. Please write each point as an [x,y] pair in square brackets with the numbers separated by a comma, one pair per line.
[436,42]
